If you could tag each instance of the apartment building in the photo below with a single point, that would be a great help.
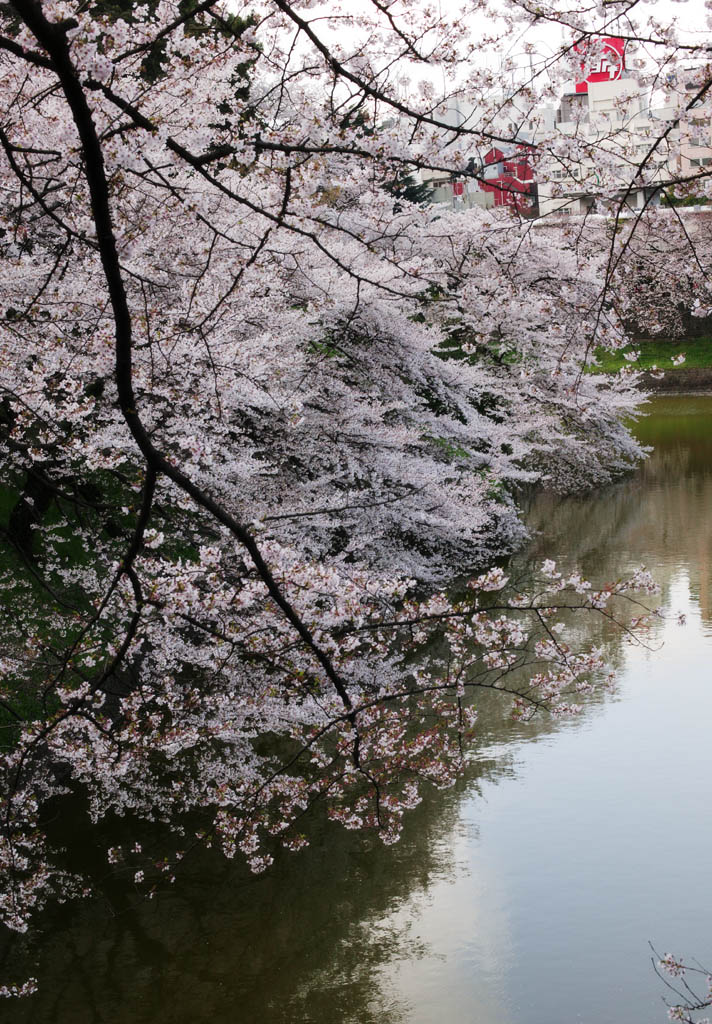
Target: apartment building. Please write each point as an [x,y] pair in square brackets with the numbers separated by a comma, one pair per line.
[695,145]
[626,141]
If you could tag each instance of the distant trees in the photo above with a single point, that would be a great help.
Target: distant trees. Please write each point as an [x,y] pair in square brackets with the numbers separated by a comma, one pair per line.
[663,274]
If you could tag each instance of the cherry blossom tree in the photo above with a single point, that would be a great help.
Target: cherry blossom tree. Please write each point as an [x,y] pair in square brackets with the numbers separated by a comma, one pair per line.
[251,399]
[690,984]
[663,275]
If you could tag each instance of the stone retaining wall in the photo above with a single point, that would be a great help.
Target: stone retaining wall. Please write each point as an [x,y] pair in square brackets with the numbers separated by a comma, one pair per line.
[680,381]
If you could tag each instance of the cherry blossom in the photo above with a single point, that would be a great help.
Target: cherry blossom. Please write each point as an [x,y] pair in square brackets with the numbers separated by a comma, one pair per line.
[258,409]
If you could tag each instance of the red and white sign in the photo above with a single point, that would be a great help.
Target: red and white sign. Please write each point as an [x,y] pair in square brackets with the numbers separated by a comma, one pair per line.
[609,63]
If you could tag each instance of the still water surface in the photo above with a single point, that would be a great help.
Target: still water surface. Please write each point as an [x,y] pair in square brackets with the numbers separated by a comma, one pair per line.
[528,895]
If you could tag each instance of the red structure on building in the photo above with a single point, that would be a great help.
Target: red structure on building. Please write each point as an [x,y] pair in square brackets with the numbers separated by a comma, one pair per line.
[508,174]
[510,178]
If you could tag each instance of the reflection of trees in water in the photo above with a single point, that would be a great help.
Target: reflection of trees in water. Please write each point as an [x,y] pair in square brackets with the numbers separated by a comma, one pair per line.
[303,943]
[660,516]
[312,940]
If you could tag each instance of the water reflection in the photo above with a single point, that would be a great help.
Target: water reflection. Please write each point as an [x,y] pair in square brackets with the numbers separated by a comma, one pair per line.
[306,942]
[659,516]
[526,895]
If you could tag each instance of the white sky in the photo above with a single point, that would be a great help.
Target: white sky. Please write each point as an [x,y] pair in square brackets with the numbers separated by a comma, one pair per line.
[692,18]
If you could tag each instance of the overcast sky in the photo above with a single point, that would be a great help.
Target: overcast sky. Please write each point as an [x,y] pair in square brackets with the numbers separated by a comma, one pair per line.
[691,16]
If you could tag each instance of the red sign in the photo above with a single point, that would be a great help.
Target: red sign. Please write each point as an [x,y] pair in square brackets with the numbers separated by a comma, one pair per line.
[608,64]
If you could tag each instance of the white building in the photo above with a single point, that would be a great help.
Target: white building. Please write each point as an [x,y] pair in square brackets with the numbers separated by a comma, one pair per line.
[695,145]
[626,143]
[616,149]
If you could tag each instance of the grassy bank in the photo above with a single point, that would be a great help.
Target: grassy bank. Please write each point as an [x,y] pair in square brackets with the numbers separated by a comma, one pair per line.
[697,351]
